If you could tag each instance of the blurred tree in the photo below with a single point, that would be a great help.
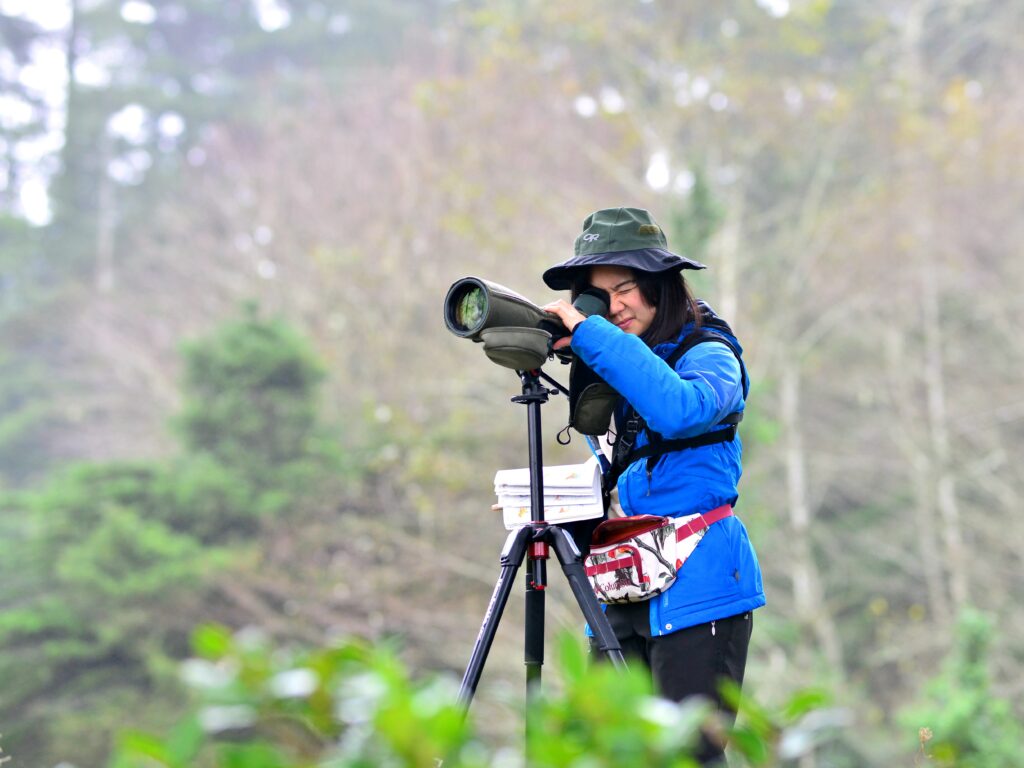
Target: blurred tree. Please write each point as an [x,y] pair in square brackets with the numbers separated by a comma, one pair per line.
[146,86]
[88,558]
[23,112]
[25,410]
[106,565]
[147,82]
[251,406]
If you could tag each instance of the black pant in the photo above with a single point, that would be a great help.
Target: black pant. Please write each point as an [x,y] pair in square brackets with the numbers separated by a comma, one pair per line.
[688,662]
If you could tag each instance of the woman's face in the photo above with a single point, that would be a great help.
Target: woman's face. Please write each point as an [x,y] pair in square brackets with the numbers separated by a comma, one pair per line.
[628,309]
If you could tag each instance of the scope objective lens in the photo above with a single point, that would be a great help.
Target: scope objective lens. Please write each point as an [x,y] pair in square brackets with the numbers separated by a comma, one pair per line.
[469,312]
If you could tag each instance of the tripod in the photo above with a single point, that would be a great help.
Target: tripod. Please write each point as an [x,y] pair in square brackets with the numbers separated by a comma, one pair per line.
[536,539]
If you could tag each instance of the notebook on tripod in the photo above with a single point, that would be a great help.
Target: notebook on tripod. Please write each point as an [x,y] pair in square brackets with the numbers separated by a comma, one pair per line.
[571,492]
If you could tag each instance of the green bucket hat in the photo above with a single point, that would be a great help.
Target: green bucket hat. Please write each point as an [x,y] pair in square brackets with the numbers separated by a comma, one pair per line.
[623,237]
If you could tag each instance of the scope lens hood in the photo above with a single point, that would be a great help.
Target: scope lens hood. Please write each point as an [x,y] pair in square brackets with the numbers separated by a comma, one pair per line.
[466,306]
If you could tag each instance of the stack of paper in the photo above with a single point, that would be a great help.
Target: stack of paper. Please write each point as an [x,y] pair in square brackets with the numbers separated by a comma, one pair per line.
[571,492]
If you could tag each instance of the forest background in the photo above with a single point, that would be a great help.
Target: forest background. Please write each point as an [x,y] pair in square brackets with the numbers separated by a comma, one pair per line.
[227,393]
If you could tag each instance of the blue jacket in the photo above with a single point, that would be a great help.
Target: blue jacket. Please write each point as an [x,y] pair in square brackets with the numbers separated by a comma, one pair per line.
[722,577]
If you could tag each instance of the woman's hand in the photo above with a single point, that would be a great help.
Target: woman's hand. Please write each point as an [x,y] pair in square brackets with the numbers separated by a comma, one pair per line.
[570,317]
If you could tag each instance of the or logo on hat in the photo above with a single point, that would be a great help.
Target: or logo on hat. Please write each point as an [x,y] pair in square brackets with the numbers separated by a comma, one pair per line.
[648,229]
[591,238]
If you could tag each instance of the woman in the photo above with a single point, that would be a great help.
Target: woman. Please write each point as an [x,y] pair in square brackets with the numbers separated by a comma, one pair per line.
[679,411]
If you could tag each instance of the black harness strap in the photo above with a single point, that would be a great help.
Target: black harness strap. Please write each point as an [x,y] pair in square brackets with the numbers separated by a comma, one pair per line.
[662,447]
[624,454]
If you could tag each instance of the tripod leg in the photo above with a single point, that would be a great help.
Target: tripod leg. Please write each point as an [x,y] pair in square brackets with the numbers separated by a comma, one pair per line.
[533,646]
[511,558]
[572,566]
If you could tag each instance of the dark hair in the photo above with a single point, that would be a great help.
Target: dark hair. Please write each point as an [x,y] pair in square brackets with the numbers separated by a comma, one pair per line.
[668,293]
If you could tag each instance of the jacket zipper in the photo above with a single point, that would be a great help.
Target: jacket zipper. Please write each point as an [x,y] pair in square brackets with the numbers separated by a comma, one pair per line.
[712,629]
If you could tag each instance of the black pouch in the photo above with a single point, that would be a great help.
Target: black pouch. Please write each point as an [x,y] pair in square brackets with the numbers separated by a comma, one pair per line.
[591,400]
[591,405]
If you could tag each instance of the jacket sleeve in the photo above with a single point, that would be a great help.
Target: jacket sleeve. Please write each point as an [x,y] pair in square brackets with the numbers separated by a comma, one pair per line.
[705,387]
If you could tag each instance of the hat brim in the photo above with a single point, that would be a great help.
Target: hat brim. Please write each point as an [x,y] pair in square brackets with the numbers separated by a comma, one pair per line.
[560,276]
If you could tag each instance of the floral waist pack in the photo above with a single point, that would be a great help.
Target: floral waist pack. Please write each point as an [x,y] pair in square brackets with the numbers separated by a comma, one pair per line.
[635,558]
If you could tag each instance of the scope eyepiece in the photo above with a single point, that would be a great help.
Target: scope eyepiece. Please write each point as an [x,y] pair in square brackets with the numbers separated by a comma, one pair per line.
[593,301]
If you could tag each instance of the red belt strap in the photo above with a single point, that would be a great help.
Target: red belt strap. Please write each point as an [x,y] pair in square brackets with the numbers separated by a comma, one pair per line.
[698,524]
[633,558]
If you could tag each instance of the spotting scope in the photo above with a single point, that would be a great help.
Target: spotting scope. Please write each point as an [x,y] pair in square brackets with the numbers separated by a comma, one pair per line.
[515,332]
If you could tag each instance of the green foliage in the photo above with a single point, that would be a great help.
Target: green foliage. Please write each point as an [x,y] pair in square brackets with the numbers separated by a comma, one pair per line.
[248,388]
[355,706]
[90,561]
[26,410]
[96,562]
[210,500]
[250,407]
[960,719]
[350,705]
[129,556]
[606,718]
